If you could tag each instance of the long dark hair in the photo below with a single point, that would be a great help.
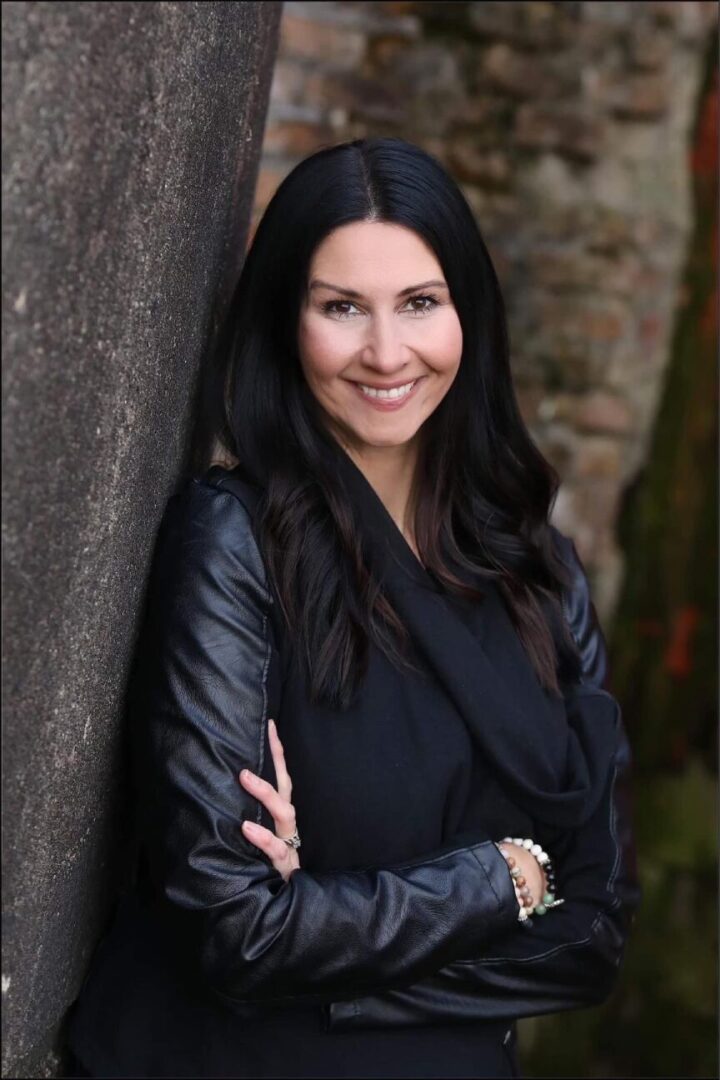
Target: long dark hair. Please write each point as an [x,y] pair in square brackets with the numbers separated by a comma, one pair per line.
[483,491]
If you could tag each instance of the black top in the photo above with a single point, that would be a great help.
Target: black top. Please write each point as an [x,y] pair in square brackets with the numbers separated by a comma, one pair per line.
[426,768]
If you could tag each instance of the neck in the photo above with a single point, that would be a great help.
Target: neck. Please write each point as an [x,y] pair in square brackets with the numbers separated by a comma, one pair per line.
[390,471]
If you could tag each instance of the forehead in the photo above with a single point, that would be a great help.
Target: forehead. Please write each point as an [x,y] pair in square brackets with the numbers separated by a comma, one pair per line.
[372,245]
[366,259]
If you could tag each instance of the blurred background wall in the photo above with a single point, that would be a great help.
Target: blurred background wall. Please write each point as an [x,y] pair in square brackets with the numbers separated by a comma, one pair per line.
[584,136]
[137,159]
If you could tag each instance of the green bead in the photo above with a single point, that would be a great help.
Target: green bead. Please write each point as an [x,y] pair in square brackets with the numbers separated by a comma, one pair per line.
[548,898]
[540,909]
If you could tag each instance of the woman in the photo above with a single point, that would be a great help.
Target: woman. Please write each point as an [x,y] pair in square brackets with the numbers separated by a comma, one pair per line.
[372,567]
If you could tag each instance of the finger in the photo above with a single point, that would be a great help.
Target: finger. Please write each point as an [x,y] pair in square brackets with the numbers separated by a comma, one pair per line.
[268,842]
[281,810]
[283,777]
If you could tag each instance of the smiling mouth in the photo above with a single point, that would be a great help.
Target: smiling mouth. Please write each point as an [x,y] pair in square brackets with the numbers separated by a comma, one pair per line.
[393,393]
[388,399]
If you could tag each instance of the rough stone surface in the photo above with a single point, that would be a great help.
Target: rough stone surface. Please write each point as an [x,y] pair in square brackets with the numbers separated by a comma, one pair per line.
[132,134]
[567,126]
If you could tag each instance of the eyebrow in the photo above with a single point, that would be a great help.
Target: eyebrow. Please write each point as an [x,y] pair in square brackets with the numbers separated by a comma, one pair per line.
[317,284]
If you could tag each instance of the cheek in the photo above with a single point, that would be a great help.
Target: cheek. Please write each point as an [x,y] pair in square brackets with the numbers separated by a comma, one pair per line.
[321,352]
[447,342]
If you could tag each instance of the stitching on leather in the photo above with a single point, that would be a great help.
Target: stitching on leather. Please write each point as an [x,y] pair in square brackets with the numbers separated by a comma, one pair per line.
[613,831]
[489,879]
[598,918]
[318,997]
[264,717]
[613,805]
[395,867]
[564,591]
[566,611]
[261,576]
[601,915]
[530,959]
[439,858]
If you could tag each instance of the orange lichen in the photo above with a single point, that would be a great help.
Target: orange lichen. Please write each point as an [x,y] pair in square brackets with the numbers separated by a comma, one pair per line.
[678,654]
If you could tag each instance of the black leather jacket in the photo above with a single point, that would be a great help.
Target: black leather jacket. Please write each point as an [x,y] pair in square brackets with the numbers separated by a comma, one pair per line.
[564,962]
[432,939]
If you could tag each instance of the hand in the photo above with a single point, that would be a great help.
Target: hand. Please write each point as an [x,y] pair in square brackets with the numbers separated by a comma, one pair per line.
[284,858]
[530,868]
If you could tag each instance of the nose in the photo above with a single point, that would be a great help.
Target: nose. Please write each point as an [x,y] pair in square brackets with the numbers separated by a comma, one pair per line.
[384,350]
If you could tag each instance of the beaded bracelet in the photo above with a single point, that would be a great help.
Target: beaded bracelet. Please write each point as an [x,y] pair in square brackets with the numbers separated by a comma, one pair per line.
[528,906]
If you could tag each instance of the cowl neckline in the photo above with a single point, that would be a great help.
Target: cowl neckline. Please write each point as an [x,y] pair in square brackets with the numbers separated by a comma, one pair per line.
[552,754]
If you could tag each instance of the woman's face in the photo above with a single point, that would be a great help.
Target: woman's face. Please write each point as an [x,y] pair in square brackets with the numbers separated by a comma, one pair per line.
[377,314]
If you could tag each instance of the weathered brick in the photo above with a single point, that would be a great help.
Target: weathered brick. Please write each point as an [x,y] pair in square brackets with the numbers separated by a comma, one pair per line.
[601,411]
[384,50]
[288,82]
[531,26]
[649,48]
[520,75]
[635,95]
[483,115]
[269,178]
[296,139]
[321,41]
[598,458]
[662,11]
[603,322]
[570,129]
[530,397]
[490,168]
[361,96]
[566,269]
[609,231]
[586,320]
[595,502]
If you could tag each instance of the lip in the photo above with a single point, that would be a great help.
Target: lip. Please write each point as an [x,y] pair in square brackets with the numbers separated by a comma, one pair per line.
[389,406]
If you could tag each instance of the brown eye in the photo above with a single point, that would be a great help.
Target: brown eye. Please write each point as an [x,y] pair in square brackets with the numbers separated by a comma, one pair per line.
[329,305]
[433,303]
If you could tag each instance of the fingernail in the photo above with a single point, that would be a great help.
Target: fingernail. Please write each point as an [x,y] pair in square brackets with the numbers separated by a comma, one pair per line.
[250,826]
[247,775]
[273,723]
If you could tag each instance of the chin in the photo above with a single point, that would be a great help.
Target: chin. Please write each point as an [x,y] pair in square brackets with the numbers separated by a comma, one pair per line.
[390,438]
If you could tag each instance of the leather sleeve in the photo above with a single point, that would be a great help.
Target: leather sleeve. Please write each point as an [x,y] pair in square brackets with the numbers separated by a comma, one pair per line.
[571,956]
[202,718]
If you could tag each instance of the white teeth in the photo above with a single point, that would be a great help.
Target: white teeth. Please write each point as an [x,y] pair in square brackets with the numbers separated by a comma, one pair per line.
[398,391]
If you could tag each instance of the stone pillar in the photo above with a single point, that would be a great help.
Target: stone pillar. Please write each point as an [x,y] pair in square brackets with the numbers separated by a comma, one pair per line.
[132,134]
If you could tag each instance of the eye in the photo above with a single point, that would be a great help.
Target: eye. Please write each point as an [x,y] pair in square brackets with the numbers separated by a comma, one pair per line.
[329,307]
[425,296]
[331,304]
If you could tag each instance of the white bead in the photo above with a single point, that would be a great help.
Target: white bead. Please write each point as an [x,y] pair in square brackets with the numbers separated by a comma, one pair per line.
[507,839]
[518,840]
[542,858]
[536,849]
[527,844]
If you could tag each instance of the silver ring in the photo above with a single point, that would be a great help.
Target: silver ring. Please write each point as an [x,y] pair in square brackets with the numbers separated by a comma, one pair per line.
[292,841]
